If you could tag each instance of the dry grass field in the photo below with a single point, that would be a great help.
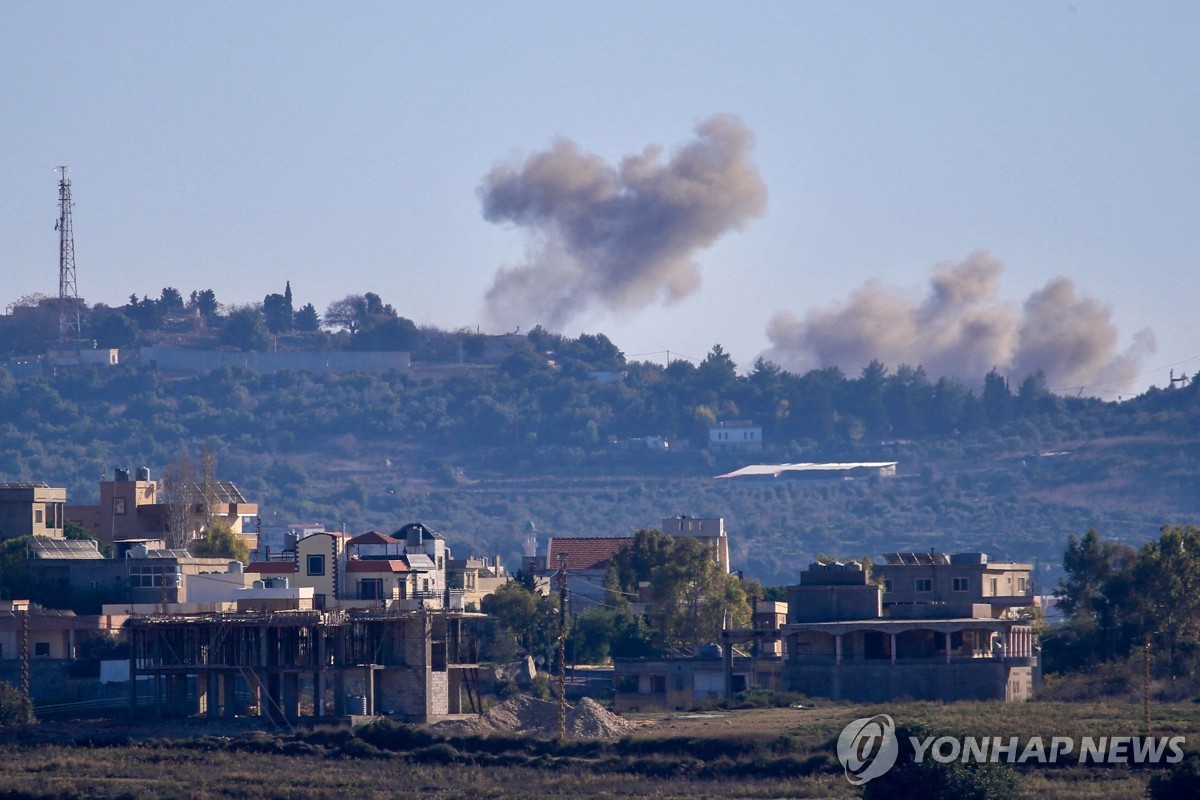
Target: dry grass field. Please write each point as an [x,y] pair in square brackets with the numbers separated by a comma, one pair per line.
[759,753]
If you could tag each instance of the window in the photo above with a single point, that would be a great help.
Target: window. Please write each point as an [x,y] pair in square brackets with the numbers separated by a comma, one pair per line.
[923,585]
[425,584]
[995,583]
[119,506]
[961,584]
[370,589]
[1022,586]
[316,565]
[145,577]
[37,516]
[41,648]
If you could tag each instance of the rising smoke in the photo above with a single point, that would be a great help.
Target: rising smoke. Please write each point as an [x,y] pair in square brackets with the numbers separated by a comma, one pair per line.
[621,237]
[963,329]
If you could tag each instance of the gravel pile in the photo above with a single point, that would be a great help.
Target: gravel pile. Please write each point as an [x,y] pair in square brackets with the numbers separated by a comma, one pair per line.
[529,716]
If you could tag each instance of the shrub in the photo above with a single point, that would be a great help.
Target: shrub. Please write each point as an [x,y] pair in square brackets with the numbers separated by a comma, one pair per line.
[1179,783]
[15,707]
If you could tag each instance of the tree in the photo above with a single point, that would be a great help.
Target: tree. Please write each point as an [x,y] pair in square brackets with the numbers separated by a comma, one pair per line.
[348,314]
[219,540]
[692,596]
[395,333]
[277,312]
[717,372]
[523,613]
[307,319]
[205,302]
[244,330]
[171,301]
[997,399]
[178,493]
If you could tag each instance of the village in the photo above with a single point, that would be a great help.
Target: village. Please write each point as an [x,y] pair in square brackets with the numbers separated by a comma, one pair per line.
[326,624]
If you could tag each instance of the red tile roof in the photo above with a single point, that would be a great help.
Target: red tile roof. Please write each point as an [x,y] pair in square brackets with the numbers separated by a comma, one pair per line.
[272,567]
[376,565]
[373,537]
[590,552]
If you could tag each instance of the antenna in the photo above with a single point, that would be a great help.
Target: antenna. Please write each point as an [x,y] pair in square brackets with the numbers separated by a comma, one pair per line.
[68,288]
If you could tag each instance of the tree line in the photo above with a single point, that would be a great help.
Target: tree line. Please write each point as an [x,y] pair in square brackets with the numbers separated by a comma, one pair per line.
[1119,602]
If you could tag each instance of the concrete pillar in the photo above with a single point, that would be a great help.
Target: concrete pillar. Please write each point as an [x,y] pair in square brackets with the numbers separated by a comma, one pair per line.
[274,699]
[370,691]
[319,689]
[893,638]
[946,640]
[290,692]
[339,693]
[229,695]
[202,697]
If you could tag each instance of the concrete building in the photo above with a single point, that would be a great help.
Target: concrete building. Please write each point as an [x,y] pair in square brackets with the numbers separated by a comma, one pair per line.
[473,578]
[139,508]
[417,666]
[682,683]
[847,638]
[31,509]
[50,634]
[145,575]
[404,571]
[735,435]
[710,532]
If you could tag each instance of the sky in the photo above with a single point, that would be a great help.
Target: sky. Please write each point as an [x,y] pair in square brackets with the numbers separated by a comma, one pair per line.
[957,185]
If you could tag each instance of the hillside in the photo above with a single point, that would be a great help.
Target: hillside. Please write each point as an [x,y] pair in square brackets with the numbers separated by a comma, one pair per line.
[478,451]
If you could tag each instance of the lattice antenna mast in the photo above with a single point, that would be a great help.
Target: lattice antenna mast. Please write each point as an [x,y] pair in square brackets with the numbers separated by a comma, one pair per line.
[68,288]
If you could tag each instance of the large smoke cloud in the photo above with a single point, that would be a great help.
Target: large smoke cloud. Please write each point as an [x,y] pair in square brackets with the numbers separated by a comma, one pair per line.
[618,237]
[963,329]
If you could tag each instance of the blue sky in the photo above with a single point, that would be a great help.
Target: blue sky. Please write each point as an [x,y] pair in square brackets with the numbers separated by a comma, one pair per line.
[235,146]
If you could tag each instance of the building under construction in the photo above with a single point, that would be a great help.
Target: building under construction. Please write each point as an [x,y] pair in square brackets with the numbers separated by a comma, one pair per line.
[415,665]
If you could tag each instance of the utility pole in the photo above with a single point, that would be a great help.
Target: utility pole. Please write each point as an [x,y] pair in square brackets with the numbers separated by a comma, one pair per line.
[25,712]
[562,646]
[1146,686]
[68,287]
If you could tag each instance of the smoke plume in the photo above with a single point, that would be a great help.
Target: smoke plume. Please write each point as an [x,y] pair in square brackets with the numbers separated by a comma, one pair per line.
[963,329]
[621,237]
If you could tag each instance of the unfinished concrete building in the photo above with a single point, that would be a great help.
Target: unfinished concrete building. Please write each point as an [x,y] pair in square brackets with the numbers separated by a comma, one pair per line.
[417,666]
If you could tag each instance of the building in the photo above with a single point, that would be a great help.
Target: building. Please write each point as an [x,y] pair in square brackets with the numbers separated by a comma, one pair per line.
[684,682]
[710,532]
[814,472]
[473,578]
[735,435]
[144,575]
[50,634]
[585,559]
[848,637]
[31,509]
[417,666]
[138,508]
[404,571]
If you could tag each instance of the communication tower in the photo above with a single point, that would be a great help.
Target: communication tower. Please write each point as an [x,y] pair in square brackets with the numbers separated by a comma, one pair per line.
[68,288]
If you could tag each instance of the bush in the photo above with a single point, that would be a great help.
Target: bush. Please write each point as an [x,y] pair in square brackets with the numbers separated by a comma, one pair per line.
[15,707]
[1179,783]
